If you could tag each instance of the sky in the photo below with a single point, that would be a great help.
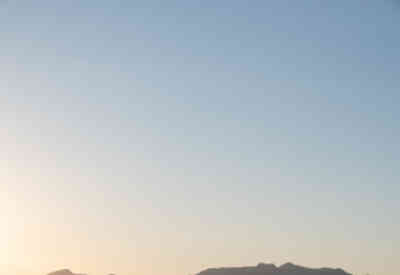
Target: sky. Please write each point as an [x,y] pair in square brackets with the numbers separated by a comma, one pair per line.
[166,137]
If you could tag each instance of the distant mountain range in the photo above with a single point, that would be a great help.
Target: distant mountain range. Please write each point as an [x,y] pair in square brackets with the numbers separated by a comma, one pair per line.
[260,269]
[271,269]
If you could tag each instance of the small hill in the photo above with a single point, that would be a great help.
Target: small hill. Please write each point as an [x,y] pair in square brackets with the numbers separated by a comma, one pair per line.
[64,272]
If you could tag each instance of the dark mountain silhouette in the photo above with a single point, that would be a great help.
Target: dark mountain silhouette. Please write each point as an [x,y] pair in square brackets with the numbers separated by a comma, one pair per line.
[260,269]
[271,269]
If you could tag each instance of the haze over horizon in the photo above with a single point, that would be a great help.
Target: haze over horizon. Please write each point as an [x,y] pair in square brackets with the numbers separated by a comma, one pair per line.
[166,137]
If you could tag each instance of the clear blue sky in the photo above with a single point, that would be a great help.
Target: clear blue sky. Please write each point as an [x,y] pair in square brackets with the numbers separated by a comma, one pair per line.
[199,133]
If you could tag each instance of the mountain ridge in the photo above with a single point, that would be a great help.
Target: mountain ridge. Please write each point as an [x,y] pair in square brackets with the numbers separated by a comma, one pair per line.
[260,269]
[272,269]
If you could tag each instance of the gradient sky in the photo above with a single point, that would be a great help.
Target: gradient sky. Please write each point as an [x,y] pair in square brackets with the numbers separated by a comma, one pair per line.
[167,137]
